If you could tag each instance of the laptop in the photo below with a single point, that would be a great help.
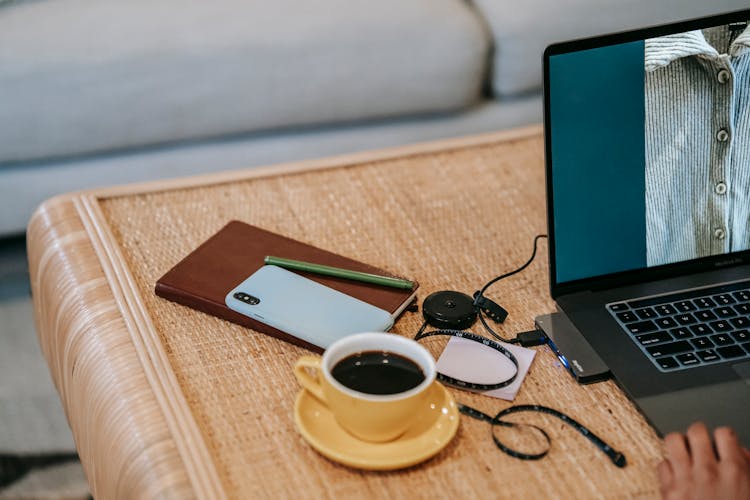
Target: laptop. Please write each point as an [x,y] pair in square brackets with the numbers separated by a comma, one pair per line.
[647,145]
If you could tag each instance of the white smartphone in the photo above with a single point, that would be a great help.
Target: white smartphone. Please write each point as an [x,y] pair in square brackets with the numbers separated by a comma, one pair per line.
[301,307]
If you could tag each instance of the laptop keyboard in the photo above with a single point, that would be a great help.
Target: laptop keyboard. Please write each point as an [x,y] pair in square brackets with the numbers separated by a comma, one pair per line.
[688,329]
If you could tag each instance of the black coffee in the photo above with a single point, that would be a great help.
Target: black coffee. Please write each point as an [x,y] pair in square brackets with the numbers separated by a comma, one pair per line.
[378,372]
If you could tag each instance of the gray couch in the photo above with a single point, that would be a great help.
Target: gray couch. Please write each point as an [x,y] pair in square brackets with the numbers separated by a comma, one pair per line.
[111,91]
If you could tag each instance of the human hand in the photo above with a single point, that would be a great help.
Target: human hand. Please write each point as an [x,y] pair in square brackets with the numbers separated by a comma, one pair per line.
[692,469]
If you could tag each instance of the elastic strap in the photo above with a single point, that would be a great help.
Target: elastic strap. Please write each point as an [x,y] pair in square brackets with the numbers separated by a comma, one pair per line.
[615,456]
[462,384]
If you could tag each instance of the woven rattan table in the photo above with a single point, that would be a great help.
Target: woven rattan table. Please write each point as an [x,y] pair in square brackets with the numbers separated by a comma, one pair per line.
[166,401]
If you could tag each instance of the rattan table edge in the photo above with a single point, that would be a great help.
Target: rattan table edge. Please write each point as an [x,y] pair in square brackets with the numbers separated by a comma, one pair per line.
[128,417]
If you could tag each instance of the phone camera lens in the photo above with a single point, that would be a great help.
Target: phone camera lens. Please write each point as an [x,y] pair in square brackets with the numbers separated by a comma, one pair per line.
[248,299]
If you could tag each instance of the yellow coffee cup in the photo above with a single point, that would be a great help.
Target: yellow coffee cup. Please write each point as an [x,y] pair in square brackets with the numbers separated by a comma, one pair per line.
[368,416]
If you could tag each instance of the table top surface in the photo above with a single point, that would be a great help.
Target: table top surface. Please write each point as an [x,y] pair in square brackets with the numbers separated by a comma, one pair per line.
[163,399]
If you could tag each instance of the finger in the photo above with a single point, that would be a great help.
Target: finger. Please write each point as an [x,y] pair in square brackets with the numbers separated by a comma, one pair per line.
[747,454]
[727,445]
[677,455]
[666,476]
[701,450]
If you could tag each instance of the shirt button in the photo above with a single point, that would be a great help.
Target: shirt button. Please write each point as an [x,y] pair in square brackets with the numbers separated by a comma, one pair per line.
[720,188]
[723,76]
[719,233]
[722,135]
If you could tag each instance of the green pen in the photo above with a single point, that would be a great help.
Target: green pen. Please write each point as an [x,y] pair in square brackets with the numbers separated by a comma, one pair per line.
[337,272]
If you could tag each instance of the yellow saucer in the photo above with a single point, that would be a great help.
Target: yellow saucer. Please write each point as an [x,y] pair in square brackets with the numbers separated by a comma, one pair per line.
[430,434]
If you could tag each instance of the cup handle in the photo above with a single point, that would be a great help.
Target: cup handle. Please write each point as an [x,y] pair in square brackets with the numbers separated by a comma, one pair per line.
[306,380]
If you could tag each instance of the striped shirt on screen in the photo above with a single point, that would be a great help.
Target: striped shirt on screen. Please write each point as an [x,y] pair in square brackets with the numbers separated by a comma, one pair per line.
[697,98]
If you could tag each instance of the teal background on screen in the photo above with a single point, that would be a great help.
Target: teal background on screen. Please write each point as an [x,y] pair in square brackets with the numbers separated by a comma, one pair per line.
[598,160]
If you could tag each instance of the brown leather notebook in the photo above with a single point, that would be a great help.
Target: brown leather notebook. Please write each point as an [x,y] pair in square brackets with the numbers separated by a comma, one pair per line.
[203,278]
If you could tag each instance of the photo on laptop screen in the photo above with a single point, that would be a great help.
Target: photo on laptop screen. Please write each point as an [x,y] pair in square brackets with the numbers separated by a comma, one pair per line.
[697,107]
[650,151]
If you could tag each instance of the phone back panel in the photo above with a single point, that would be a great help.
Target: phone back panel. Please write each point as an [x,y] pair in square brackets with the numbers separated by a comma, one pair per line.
[308,310]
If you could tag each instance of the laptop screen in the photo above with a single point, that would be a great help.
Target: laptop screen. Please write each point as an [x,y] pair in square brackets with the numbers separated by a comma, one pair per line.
[648,147]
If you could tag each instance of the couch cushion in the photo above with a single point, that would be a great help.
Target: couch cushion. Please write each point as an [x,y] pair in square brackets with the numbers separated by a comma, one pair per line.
[522,31]
[80,76]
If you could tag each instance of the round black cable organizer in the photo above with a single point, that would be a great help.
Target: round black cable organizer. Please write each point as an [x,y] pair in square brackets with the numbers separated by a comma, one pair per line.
[450,312]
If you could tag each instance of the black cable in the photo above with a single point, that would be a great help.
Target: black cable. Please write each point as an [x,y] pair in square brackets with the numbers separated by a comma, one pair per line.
[489,329]
[486,307]
[479,296]
[511,273]
[531,338]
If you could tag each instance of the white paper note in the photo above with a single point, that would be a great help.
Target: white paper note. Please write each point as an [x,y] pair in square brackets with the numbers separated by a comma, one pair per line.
[471,361]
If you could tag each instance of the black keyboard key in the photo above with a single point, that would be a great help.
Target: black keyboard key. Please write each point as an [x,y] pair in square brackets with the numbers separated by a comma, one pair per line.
[667,362]
[721,326]
[708,355]
[724,299]
[653,338]
[741,335]
[704,302]
[646,313]
[730,351]
[665,322]
[619,307]
[701,329]
[669,348]
[686,319]
[627,317]
[665,310]
[705,316]
[742,308]
[742,296]
[642,327]
[702,343]
[722,339]
[746,345]
[741,322]
[681,333]
[725,312]
[688,359]
[684,306]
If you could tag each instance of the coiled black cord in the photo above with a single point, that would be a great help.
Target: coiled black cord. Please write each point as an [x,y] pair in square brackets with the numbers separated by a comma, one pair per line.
[483,305]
